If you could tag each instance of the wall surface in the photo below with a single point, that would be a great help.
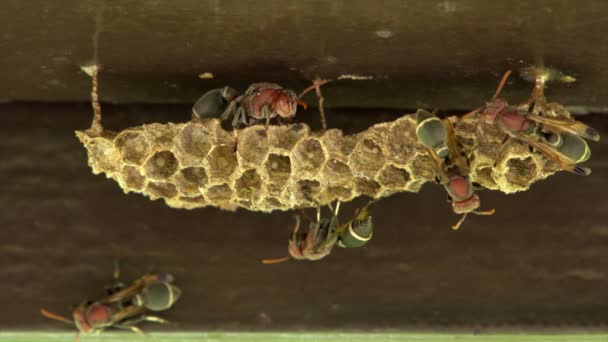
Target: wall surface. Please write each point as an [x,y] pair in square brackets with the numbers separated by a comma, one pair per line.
[439,54]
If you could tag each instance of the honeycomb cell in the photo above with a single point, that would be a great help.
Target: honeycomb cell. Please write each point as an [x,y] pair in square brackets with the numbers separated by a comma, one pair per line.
[198,200]
[195,175]
[286,137]
[483,176]
[337,145]
[274,189]
[520,172]
[366,186]
[219,194]
[161,165]
[134,180]
[133,146]
[401,142]
[367,158]
[222,162]
[162,135]
[306,190]
[272,202]
[252,145]
[337,173]
[194,140]
[393,177]
[278,168]
[161,189]
[340,192]
[308,157]
[248,185]
[422,166]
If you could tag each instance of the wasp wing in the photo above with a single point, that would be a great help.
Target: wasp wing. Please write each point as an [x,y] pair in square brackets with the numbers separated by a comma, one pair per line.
[454,150]
[135,288]
[568,126]
[565,163]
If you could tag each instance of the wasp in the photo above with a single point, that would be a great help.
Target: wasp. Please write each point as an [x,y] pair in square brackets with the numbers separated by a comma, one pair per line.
[123,306]
[547,127]
[325,233]
[451,166]
[261,101]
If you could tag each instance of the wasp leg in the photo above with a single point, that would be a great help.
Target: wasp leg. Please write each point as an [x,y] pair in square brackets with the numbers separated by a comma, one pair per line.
[266,114]
[132,328]
[229,110]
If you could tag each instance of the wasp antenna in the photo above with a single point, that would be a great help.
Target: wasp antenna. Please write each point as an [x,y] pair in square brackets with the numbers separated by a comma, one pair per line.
[459,223]
[55,316]
[315,84]
[502,83]
[275,261]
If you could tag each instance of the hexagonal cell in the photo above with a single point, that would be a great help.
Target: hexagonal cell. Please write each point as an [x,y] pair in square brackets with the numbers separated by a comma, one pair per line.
[286,137]
[520,172]
[278,168]
[161,189]
[247,204]
[367,158]
[483,176]
[366,186]
[195,140]
[308,156]
[134,180]
[337,192]
[133,146]
[252,145]
[402,141]
[272,203]
[306,190]
[337,173]
[393,177]
[219,194]
[161,165]
[162,135]
[103,156]
[422,166]
[186,188]
[248,185]
[222,161]
[273,189]
[195,175]
[198,200]
[338,145]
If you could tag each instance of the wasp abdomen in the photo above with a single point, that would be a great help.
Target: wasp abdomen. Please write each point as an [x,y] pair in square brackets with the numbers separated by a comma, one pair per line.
[431,132]
[158,296]
[358,233]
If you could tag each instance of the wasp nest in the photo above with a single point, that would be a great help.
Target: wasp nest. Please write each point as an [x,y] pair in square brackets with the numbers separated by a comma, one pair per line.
[198,164]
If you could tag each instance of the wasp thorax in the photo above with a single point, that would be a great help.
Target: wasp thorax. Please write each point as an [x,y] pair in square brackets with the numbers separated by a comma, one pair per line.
[158,296]
[459,188]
